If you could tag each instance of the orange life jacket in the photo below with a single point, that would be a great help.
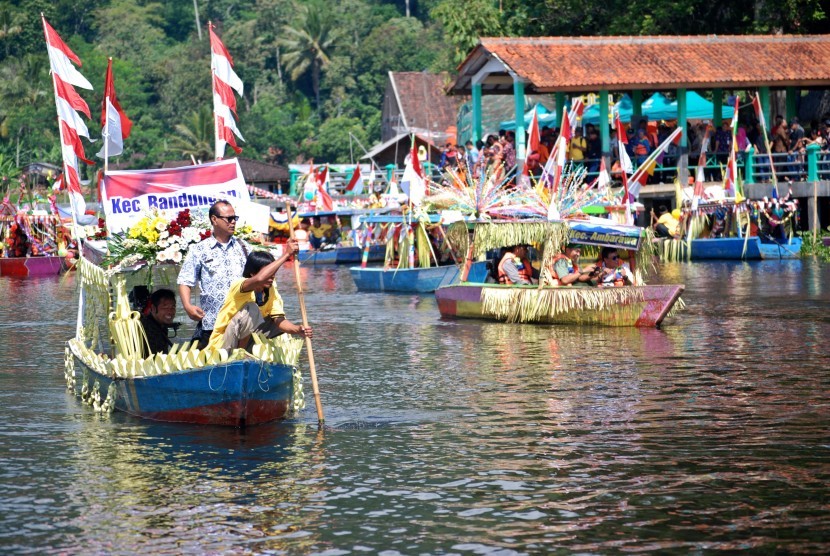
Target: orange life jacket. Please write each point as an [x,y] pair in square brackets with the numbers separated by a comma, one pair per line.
[525,272]
[554,278]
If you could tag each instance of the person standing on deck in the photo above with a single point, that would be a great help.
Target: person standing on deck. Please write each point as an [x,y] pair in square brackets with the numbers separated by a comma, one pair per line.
[212,264]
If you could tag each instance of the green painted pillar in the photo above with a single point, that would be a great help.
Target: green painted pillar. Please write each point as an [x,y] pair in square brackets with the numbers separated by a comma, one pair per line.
[717,110]
[560,105]
[293,176]
[519,103]
[604,131]
[683,159]
[812,162]
[792,109]
[477,132]
[637,101]
[763,94]
[749,167]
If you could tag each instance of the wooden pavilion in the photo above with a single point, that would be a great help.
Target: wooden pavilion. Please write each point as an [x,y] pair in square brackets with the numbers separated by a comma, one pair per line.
[568,65]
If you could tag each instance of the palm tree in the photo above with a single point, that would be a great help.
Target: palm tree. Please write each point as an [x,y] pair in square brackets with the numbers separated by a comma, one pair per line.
[11,24]
[309,42]
[196,137]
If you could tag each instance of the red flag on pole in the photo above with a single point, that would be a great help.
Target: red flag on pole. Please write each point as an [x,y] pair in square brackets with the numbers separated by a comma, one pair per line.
[356,183]
[109,93]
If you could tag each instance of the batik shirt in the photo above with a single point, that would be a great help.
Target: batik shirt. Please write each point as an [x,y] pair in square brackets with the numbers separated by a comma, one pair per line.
[213,267]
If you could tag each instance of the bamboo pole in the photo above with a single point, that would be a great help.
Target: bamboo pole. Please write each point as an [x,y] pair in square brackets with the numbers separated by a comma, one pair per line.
[312,368]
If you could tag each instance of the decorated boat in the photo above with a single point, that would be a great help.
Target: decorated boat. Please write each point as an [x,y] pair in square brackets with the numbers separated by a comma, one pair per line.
[637,305]
[188,385]
[723,229]
[34,241]
[415,260]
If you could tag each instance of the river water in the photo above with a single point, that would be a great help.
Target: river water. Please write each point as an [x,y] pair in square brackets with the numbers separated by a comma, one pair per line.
[451,437]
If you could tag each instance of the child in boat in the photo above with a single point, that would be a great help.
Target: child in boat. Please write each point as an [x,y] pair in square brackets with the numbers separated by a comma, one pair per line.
[254,305]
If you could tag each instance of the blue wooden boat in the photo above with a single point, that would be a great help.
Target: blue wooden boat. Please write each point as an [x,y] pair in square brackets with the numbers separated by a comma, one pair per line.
[238,393]
[413,280]
[732,248]
[342,255]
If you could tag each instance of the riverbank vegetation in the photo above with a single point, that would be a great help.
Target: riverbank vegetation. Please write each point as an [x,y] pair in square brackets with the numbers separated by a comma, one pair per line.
[314,70]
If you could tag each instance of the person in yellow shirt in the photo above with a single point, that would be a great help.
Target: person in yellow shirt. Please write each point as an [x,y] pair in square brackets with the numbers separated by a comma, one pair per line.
[666,225]
[254,305]
[578,147]
[321,232]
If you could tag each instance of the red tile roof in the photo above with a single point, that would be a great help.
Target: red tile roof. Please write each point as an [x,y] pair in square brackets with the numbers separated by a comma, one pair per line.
[580,64]
[423,100]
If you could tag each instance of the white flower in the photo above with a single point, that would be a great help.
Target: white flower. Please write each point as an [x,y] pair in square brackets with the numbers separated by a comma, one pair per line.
[177,257]
[164,234]
[161,225]
[163,243]
[190,234]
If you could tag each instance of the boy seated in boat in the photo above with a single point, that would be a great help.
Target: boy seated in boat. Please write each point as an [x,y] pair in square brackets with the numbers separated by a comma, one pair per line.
[612,271]
[158,321]
[515,268]
[253,305]
[565,269]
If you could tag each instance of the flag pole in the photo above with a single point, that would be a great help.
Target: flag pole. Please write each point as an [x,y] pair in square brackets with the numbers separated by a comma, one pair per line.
[106,131]
[312,368]
[217,155]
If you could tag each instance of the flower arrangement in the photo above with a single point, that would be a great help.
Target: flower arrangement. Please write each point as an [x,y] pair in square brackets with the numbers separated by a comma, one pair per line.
[156,239]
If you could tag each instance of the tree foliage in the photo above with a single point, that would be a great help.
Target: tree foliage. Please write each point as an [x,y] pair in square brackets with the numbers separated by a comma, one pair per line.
[314,71]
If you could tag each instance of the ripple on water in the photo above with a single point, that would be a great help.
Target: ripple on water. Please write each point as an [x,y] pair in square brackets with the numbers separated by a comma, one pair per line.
[446,436]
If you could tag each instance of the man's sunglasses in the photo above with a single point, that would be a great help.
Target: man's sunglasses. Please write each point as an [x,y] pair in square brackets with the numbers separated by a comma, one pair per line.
[228,219]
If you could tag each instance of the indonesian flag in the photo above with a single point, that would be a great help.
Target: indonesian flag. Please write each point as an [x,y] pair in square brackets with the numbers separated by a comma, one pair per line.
[604,178]
[735,125]
[700,177]
[730,176]
[759,111]
[625,160]
[324,200]
[356,183]
[61,58]
[67,103]
[114,122]
[69,180]
[577,109]
[225,81]
[412,181]
[533,141]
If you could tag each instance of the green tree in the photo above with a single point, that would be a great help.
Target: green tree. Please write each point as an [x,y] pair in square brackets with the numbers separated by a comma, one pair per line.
[196,137]
[309,42]
[465,21]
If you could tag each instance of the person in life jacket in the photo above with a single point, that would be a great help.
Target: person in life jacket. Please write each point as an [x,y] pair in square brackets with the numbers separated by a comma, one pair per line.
[514,267]
[565,271]
[613,272]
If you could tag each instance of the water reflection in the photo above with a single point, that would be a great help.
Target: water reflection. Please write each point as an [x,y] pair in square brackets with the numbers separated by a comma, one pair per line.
[451,436]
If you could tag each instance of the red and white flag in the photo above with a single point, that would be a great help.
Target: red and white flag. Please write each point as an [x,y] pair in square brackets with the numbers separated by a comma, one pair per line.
[356,183]
[412,181]
[115,124]
[533,140]
[225,81]
[324,200]
[759,111]
[67,102]
[625,160]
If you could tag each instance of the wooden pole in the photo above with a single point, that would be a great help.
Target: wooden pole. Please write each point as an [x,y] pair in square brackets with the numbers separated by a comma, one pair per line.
[315,388]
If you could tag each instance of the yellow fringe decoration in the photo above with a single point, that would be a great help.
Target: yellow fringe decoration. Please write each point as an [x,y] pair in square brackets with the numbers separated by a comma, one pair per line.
[613,306]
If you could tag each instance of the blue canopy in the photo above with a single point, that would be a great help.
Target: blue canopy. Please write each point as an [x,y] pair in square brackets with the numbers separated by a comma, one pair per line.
[543,112]
[658,107]
[698,108]
[624,106]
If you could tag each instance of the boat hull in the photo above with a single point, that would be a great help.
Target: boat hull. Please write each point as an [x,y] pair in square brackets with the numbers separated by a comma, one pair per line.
[238,394]
[31,266]
[412,280]
[732,248]
[342,255]
[466,301]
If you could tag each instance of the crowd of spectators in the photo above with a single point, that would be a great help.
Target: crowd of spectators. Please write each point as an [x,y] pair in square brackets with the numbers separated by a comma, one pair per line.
[787,140]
